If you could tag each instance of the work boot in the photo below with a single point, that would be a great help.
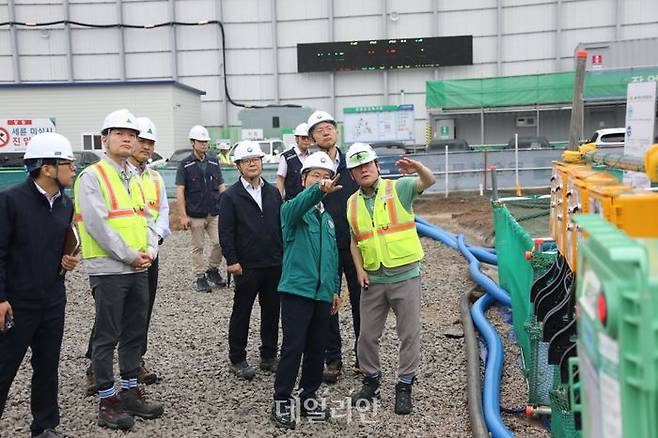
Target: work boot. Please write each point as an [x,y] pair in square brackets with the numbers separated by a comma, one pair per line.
[269,364]
[403,404]
[111,414]
[201,283]
[312,409]
[215,277]
[332,371]
[90,382]
[146,376]
[283,414]
[243,370]
[368,393]
[134,403]
[356,369]
[49,433]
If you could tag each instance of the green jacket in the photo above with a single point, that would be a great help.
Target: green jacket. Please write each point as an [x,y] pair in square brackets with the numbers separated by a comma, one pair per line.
[310,254]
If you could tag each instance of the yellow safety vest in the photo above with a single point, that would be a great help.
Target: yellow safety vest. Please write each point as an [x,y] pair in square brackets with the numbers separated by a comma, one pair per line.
[224,159]
[126,213]
[151,183]
[389,236]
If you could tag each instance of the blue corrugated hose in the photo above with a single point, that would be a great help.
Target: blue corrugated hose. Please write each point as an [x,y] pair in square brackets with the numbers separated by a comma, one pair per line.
[437,233]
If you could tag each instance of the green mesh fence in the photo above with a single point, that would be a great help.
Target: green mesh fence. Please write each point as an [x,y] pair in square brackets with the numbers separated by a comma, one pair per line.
[563,424]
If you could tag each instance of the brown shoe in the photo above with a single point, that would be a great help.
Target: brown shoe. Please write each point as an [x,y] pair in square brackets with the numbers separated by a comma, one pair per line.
[146,376]
[111,414]
[90,382]
[135,404]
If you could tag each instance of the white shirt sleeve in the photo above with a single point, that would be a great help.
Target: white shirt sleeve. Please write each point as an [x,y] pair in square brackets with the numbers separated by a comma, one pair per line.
[162,224]
[283,166]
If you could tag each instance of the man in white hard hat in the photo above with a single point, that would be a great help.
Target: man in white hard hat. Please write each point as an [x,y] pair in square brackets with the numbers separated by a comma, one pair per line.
[322,131]
[199,183]
[35,219]
[250,235]
[155,193]
[387,254]
[223,147]
[119,244]
[309,290]
[288,175]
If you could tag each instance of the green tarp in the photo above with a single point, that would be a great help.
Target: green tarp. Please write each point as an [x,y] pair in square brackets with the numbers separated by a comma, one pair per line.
[539,89]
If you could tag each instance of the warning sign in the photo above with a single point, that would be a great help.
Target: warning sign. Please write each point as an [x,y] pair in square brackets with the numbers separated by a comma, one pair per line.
[15,134]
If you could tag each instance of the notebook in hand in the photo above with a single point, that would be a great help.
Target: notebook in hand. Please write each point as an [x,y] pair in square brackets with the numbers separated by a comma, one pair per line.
[72,243]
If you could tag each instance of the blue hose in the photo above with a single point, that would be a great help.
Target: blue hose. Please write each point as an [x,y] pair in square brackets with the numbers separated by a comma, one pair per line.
[498,293]
[492,370]
[451,235]
[437,233]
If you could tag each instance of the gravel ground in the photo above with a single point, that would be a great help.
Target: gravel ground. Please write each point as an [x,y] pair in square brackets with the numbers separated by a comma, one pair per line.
[188,348]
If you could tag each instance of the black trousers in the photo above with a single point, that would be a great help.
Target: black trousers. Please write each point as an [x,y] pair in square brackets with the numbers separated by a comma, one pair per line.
[305,324]
[121,307]
[334,343]
[153,287]
[42,331]
[261,282]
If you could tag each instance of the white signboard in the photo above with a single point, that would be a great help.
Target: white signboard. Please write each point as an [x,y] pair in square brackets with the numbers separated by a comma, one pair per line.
[640,120]
[379,124]
[15,134]
[252,134]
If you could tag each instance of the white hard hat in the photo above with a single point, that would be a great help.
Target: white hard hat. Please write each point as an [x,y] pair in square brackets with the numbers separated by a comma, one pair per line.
[247,149]
[301,130]
[360,153]
[49,145]
[198,132]
[146,129]
[222,145]
[319,160]
[319,117]
[120,119]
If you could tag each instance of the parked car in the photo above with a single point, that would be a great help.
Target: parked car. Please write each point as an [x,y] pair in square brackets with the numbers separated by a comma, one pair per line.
[177,157]
[456,144]
[157,160]
[530,143]
[610,137]
[85,158]
[272,148]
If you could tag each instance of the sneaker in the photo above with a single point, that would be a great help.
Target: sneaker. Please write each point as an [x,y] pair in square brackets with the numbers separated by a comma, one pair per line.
[269,364]
[90,382]
[146,376]
[49,433]
[112,415]
[243,370]
[215,277]
[332,371]
[202,283]
[312,409]
[135,403]
[368,393]
[403,404]
[283,414]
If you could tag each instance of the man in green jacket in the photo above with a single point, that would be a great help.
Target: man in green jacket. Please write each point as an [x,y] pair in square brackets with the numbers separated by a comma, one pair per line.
[309,289]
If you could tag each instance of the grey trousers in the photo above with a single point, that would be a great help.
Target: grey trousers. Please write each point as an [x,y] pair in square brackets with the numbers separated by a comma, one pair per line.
[121,307]
[404,298]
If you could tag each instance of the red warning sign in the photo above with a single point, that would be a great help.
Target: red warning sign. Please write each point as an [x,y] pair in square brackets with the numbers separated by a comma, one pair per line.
[4,137]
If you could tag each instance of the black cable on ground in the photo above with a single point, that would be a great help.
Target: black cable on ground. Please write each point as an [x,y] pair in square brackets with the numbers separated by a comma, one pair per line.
[153,26]
[473,375]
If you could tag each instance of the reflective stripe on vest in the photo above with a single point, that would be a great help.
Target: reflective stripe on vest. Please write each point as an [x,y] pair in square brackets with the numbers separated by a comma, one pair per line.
[151,183]
[125,212]
[388,236]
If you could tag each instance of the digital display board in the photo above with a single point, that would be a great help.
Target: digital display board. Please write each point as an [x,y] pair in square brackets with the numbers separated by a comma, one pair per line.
[387,54]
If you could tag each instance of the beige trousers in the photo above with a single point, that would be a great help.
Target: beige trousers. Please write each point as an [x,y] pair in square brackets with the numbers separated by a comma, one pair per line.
[199,227]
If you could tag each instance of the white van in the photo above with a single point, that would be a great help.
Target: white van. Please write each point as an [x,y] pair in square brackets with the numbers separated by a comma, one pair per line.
[607,138]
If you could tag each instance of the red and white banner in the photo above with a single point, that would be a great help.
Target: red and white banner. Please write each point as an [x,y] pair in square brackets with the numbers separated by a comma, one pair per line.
[15,134]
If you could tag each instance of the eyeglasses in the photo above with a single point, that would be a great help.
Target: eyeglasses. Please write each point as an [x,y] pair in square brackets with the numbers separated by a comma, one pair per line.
[70,164]
[324,129]
[251,160]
